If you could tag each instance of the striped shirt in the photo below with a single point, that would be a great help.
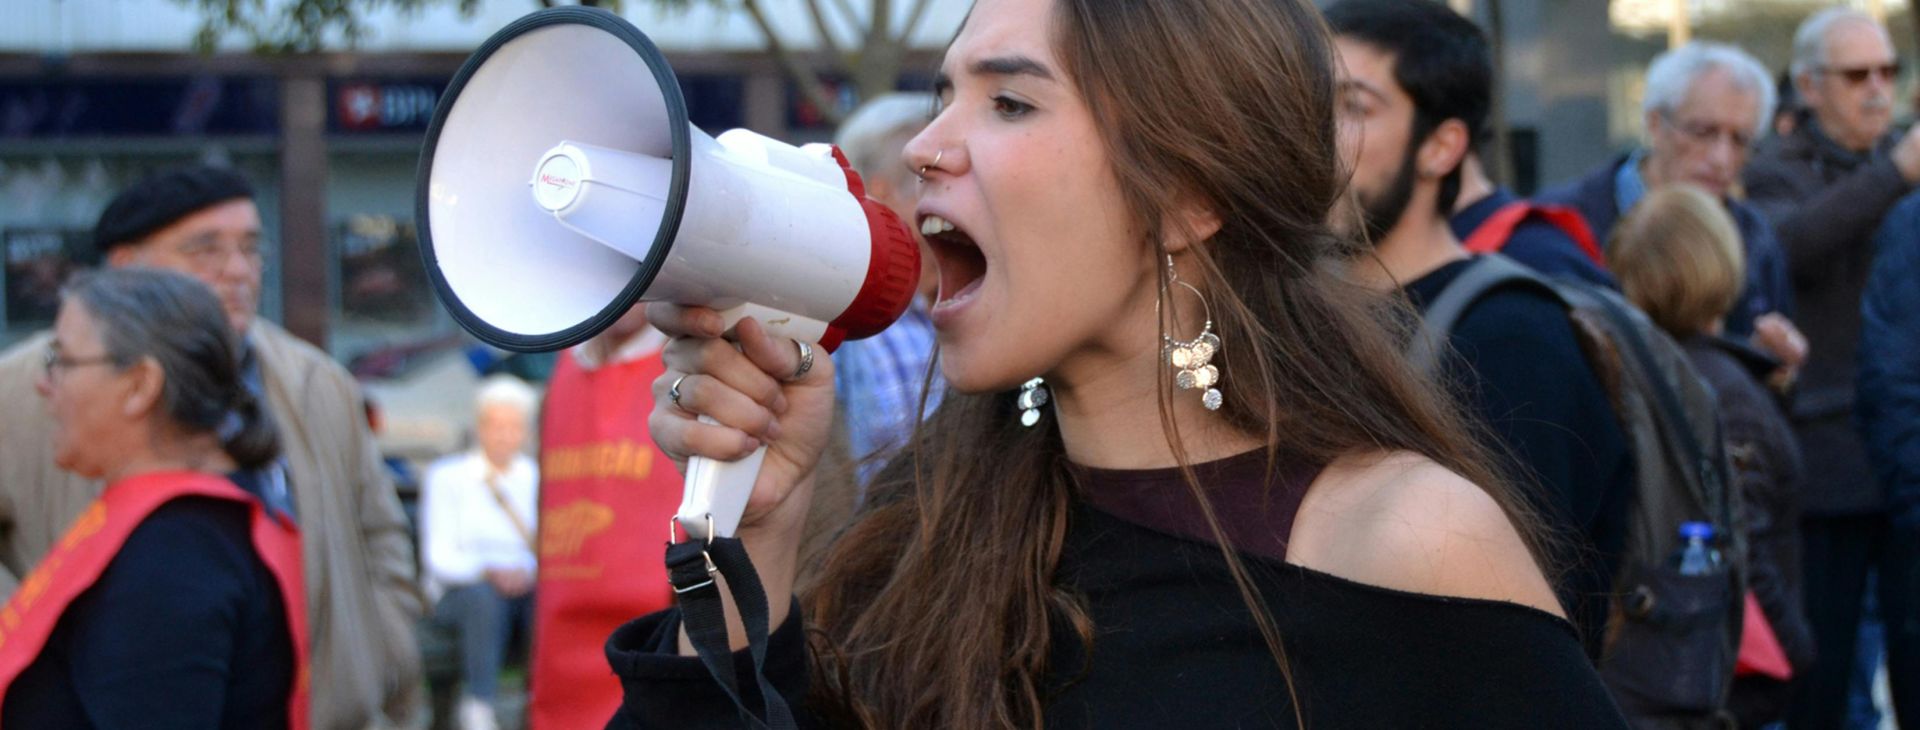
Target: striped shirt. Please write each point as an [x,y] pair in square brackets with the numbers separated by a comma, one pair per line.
[879,381]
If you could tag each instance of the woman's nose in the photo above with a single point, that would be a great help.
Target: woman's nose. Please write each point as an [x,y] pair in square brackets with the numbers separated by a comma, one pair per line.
[932,152]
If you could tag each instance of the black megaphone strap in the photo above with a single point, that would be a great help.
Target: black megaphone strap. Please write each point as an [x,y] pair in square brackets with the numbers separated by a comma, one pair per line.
[692,567]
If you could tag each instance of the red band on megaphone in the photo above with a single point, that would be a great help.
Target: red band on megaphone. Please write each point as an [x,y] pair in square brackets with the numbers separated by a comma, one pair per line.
[893,271]
[854,184]
[833,339]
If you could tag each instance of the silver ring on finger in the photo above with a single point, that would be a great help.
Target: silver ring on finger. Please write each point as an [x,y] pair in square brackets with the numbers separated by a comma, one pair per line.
[673,392]
[806,361]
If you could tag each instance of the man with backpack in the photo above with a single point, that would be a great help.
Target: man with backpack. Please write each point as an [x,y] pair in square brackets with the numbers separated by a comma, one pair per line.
[1415,93]
[1598,411]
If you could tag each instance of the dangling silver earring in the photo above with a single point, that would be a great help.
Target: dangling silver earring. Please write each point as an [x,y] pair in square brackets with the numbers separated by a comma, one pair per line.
[1190,359]
[1033,395]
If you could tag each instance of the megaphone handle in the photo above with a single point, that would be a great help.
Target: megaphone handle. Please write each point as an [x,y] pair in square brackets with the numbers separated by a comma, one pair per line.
[716,492]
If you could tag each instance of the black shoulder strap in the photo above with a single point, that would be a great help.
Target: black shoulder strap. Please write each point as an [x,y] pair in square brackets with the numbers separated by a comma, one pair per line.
[692,568]
[1486,273]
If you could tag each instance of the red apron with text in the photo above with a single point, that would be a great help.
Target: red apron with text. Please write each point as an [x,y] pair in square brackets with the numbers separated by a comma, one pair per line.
[606,494]
[89,545]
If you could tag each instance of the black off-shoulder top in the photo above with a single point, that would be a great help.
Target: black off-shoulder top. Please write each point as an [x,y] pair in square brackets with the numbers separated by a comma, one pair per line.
[1175,645]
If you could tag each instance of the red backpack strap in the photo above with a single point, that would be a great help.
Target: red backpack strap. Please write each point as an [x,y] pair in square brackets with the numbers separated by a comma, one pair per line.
[1493,234]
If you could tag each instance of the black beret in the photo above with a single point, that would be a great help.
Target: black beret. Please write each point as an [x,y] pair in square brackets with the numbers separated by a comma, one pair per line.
[162,198]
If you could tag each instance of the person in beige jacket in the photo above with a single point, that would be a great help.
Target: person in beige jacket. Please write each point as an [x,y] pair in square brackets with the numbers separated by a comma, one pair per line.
[362,598]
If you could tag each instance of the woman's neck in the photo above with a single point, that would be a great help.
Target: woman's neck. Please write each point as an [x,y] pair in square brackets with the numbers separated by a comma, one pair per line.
[200,453]
[1109,414]
[499,463]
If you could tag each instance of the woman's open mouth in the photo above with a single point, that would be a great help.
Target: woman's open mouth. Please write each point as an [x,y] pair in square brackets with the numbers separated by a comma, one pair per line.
[962,266]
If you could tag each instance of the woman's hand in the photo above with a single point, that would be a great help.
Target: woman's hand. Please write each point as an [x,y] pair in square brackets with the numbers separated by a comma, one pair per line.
[510,582]
[747,386]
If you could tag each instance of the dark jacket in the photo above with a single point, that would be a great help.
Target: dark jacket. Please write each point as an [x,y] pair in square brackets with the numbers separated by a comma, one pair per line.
[1889,387]
[1826,202]
[1767,290]
[1767,470]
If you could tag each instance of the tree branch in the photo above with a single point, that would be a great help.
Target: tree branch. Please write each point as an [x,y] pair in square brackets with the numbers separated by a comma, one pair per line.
[853,18]
[878,30]
[913,22]
[826,33]
[809,83]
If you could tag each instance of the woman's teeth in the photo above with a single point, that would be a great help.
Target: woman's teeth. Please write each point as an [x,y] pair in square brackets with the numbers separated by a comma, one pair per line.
[934,225]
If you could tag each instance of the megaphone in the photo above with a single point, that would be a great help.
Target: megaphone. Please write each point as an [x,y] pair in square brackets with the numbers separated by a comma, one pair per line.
[561,183]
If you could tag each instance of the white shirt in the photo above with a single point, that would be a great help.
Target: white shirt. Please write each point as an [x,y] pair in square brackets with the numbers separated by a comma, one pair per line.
[465,531]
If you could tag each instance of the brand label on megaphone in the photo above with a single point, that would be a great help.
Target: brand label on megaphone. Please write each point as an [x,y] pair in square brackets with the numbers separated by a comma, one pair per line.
[557,181]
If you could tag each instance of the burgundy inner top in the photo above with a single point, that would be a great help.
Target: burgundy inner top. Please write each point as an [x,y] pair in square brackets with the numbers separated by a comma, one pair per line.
[1254,506]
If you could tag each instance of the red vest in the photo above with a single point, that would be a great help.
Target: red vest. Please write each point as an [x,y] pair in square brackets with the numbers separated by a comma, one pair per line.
[606,494]
[78,559]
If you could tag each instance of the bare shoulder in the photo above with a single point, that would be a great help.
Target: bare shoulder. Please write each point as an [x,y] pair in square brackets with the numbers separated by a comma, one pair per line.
[1399,520]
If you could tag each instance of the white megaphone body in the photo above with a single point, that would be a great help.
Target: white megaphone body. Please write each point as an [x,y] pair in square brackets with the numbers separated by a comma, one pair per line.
[561,183]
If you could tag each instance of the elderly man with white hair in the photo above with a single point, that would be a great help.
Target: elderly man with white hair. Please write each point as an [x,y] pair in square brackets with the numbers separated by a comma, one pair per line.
[478,531]
[1705,105]
[1827,187]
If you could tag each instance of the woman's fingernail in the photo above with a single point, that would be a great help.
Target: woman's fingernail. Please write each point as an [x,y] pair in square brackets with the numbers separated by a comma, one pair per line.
[773,430]
[780,404]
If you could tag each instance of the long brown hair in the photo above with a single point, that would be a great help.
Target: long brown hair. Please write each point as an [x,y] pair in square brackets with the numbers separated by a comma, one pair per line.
[935,608]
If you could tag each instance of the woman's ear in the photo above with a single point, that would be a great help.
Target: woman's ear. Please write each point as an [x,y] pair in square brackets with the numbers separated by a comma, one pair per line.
[1193,222]
[146,381]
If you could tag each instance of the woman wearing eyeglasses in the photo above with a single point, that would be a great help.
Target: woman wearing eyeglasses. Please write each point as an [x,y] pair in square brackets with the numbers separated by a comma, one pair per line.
[174,600]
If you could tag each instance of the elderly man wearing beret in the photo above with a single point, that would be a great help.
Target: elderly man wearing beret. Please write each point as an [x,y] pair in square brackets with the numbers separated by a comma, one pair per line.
[362,599]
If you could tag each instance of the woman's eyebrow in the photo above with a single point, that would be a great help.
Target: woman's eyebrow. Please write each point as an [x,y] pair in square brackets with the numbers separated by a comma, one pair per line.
[996,66]
[1011,66]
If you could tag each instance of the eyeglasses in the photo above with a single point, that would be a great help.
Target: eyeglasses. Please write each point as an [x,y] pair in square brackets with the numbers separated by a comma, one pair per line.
[1858,75]
[1708,133]
[211,255]
[54,362]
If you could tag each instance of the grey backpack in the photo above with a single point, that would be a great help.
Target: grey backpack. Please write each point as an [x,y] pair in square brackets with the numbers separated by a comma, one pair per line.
[1672,639]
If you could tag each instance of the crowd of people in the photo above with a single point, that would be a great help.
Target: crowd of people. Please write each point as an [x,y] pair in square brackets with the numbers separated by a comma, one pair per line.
[1237,392]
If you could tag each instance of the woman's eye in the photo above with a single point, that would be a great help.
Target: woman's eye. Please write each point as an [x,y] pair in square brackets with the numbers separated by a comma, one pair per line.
[1009,108]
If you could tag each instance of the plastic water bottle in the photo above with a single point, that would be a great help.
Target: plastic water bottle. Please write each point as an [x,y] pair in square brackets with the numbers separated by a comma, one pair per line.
[1696,555]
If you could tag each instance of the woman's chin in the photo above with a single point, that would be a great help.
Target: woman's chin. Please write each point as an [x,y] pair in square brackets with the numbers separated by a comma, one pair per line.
[977,373]
[71,464]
